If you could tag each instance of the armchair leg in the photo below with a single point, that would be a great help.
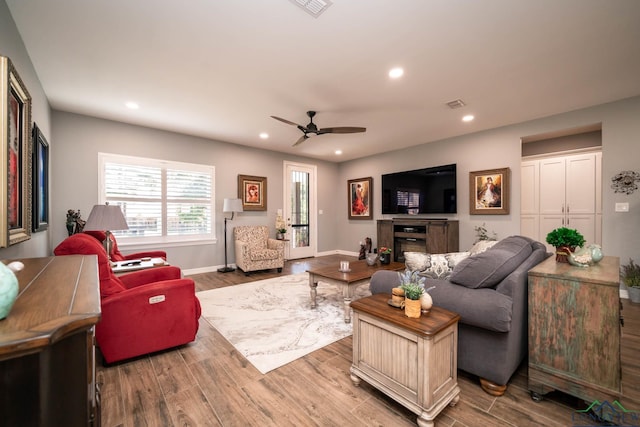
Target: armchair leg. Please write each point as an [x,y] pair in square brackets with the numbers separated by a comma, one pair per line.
[492,388]
[279,269]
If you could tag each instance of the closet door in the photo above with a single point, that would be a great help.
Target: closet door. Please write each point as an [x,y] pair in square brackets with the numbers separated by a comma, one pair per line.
[581,184]
[552,186]
[529,202]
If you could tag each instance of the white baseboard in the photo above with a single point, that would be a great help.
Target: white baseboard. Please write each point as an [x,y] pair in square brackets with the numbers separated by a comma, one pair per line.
[202,270]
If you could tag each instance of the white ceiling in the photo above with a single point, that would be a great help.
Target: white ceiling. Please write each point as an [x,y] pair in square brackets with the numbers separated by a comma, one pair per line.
[220,68]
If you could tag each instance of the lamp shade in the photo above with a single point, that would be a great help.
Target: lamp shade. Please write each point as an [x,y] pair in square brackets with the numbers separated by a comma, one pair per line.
[232,205]
[106,217]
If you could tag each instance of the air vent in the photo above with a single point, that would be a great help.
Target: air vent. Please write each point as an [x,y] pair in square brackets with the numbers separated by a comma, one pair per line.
[313,7]
[458,103]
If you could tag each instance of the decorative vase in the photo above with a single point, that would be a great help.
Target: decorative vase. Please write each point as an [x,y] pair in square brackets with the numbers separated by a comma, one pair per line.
[385,258]
[371,259]
[634,294]
[412,308]
[8,287]
[426,302]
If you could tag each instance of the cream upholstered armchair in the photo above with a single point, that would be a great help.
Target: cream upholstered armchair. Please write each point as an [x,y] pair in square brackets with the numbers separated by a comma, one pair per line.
[255,250]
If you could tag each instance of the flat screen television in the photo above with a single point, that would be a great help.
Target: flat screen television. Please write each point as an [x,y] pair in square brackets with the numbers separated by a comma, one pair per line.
[421,191]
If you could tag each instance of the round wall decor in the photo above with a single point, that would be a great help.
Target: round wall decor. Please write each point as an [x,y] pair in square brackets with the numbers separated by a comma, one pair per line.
[625,182]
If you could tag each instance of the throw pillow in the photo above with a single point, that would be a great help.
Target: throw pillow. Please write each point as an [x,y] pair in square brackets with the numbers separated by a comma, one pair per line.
[482,246]
[434,266]
[487,269]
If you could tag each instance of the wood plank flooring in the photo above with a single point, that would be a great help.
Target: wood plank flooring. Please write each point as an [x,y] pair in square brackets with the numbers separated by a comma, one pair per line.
[207,383]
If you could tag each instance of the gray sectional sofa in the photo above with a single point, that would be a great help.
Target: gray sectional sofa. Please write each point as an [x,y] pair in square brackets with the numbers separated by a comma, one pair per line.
[489,291]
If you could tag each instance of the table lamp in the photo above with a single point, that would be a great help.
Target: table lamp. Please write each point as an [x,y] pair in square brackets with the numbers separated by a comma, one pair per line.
[233,206]
[105,218]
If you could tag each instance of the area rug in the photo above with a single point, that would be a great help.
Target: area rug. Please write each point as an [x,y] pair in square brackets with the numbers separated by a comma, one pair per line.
[271,322]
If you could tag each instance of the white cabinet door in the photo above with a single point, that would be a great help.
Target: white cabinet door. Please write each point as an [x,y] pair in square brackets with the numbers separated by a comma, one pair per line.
[581,184]
[552,186]
[529,192]
[586,225]
[529,226]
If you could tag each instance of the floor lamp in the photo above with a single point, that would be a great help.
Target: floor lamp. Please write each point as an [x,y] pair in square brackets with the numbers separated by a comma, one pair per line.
[233,206]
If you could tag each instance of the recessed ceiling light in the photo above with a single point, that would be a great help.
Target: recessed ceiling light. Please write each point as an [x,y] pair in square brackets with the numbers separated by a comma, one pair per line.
[468,118]
[338,152]
[132,105]
[395,73]
[264,135]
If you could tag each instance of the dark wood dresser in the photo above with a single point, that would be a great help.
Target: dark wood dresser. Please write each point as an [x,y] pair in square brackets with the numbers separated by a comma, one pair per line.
[47,345]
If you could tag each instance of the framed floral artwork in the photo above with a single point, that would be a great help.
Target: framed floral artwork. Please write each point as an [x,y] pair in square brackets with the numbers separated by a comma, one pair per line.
[252,190]
[489,192]
[360,198]
[40,181]
[15,168]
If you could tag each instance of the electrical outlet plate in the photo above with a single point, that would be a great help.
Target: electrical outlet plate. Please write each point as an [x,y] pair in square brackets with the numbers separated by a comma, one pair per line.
[622,207]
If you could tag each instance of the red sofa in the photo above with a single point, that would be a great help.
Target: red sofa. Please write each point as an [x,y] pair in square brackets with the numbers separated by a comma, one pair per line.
[116,255]
[142,312]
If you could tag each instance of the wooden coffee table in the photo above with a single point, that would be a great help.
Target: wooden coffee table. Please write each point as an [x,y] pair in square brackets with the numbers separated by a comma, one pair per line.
[413,361]
[360,273]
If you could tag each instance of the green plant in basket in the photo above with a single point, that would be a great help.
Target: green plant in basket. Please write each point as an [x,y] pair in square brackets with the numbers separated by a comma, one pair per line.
[564,236]
[412,284]
[630,274]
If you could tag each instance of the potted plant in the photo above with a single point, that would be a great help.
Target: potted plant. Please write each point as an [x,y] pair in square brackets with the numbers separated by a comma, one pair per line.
[414,293]
[630,274]
[565,240]
[281,227]
[385,255]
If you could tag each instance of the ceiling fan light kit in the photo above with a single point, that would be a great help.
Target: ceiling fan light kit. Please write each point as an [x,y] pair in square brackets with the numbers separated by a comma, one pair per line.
[312,129]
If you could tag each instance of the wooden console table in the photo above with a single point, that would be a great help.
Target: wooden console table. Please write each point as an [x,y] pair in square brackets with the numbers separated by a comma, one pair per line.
[413,361]
[47,350]
[418,235]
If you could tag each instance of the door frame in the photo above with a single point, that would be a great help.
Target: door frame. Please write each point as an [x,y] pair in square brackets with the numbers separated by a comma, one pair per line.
[312,249]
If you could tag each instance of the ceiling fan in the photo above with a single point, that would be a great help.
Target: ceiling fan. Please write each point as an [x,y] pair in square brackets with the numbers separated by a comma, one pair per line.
[312,129]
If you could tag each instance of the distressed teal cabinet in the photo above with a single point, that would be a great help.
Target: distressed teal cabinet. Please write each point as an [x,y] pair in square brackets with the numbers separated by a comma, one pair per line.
[574,329]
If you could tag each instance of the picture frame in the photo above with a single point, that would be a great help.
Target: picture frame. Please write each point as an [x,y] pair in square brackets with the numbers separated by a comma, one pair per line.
[360,198]
[252,190]
[489,192]
[40,181]
[15,169]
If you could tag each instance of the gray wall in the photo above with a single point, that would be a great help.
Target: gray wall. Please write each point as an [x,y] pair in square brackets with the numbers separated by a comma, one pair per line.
[11,46]
[75,179]
[501,147]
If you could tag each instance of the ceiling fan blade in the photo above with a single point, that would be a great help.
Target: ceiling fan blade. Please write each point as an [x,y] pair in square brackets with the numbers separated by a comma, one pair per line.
[285,121]
[342,129]
[301,140]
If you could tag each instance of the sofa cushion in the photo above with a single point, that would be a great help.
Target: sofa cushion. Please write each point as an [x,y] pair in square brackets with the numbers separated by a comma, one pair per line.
[484,308]
[264,254]
[487,269]
[435,266]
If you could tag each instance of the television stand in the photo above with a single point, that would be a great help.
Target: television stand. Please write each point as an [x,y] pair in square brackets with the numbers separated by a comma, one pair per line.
[430,235]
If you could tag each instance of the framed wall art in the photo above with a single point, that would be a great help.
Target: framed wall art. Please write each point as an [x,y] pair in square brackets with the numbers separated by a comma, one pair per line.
[360,198]
[252,190]
[40,181]
[489,192]
[15,169]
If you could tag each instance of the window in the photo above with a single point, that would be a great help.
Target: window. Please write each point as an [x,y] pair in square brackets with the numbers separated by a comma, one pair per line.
[408,201]
[163,201]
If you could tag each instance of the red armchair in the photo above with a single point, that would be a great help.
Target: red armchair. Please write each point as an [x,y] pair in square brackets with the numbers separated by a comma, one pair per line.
[116,255]
[142,312]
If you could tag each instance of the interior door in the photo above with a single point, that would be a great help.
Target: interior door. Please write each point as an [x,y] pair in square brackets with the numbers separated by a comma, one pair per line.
[300,209]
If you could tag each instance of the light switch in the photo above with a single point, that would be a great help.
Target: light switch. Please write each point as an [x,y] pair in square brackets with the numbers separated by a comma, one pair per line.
[622,207]
[320,212]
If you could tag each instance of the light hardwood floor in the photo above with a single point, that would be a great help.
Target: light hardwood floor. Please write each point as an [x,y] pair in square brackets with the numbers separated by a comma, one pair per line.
[207,383]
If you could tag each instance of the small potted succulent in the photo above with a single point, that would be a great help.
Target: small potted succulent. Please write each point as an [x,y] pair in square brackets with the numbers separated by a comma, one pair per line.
[630,274]
[565,240]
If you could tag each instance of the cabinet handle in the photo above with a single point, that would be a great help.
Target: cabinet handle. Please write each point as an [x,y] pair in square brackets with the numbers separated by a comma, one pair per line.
[411,240]
[567,208]
[562,208]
